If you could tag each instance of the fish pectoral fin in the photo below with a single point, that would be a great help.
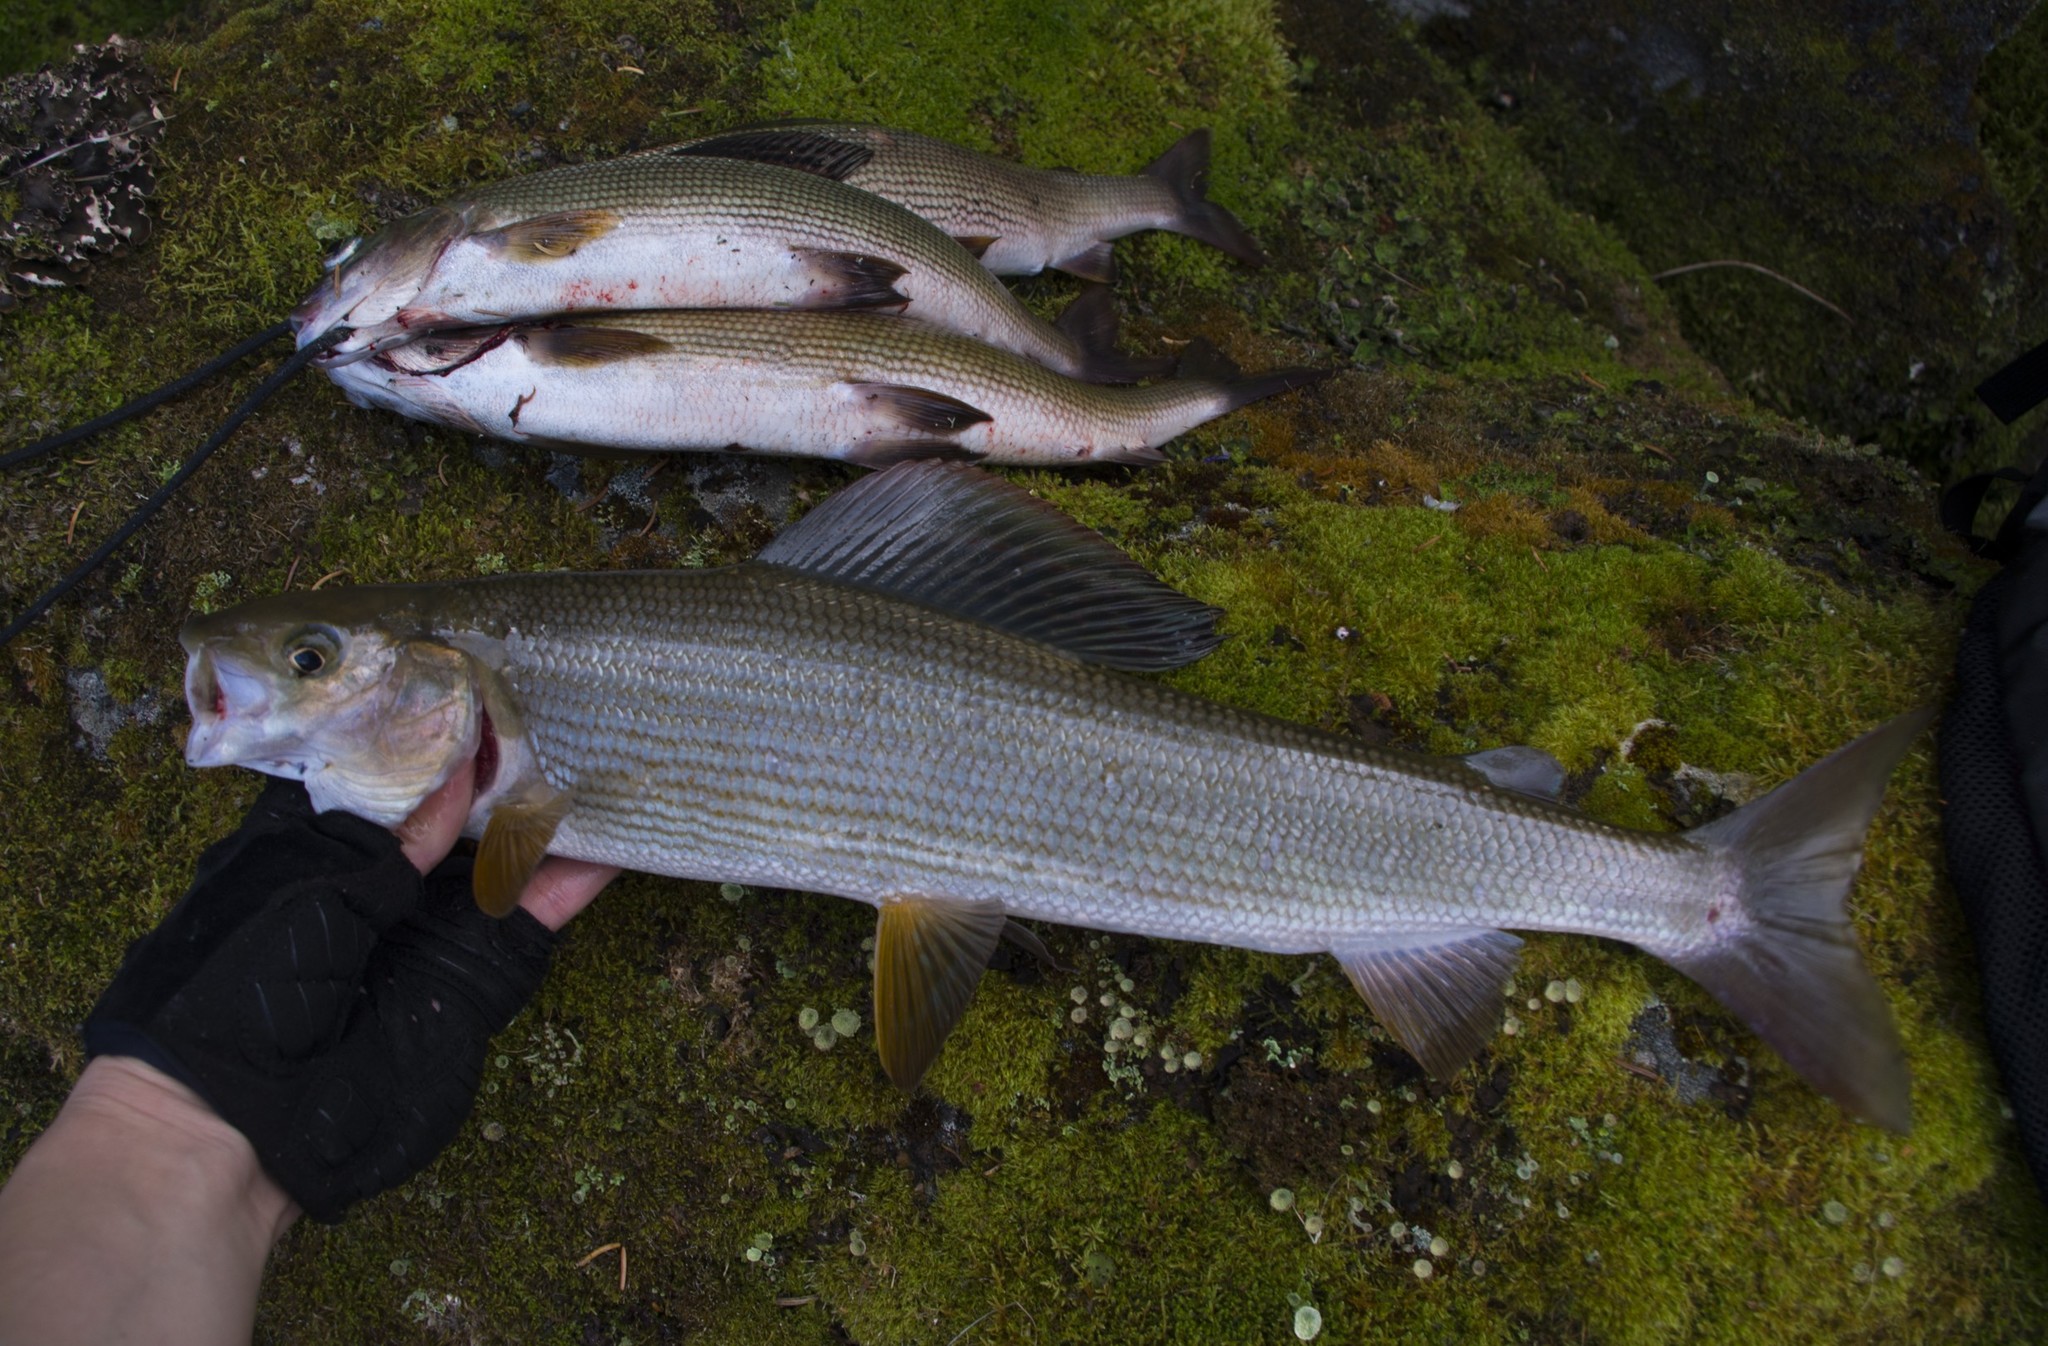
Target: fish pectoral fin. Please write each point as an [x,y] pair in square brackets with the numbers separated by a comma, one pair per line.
[1522,769]
[976,244]
[550,237]
[585,347]
[1437,991]
[514,841]
[974,545]
[930,953]
[1097,262]
[853,280]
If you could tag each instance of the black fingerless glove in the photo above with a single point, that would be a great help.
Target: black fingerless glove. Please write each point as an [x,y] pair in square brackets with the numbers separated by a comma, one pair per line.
[324,999]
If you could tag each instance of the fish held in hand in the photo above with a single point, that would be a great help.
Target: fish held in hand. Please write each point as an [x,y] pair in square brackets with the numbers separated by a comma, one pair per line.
[1018,220]
[863,387]
[913,698]
[652,232]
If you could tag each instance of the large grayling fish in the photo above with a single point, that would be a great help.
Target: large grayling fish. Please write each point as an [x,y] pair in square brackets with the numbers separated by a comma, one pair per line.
[658,231]
[868,388]
[1018,220]
[912,698]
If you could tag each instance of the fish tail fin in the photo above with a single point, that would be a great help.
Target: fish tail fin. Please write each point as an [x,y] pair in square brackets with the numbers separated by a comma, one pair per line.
[1090,322]
[1203,362]
[1185,171]
[1244,392]
[1787,962]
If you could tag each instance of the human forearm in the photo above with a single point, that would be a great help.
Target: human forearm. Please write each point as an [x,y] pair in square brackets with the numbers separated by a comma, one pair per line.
[138,1216]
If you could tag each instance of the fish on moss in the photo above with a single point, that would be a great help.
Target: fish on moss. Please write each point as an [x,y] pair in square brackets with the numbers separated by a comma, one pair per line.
[919,696]
[866,388]
[658,231]
[1018,220]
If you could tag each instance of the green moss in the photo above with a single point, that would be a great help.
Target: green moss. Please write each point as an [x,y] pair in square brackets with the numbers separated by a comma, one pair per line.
[659,1094]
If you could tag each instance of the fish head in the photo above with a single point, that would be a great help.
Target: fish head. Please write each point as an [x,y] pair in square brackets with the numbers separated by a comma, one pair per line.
[370,283]
[346,691]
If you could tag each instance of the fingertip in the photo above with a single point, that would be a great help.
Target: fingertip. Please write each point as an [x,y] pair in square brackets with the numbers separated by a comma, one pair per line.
[561,888]
[431,830]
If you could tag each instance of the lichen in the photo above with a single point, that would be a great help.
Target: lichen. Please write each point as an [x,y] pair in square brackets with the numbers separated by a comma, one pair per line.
[1634,542]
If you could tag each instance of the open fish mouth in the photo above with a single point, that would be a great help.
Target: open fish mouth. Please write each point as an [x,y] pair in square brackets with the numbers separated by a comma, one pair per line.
[228,707]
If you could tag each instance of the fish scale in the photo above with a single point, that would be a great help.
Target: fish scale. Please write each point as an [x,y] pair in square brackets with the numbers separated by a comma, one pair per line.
[758,725]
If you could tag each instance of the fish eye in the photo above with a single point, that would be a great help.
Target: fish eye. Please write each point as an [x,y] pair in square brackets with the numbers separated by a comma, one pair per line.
[312,651]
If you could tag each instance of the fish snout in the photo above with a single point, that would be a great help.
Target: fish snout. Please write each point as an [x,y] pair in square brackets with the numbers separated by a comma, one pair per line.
[228,707]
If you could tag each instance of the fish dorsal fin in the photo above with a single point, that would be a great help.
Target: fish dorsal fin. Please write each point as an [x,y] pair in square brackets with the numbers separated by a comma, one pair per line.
[1522,769]
[965,542]
[930,953]
[1437,991]
[514,841]
[808,151]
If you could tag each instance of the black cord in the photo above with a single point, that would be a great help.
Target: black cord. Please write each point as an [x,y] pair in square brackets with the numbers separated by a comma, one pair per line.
[148,401]
[298,360]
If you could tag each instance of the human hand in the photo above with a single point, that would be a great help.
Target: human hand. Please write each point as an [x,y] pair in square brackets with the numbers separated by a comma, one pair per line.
[330,988]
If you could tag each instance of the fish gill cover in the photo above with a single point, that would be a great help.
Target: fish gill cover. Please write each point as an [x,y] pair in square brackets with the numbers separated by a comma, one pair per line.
[1682,594]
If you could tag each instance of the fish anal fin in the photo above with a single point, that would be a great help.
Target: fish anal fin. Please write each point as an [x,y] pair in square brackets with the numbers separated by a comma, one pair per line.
[1437,991]
[577,347]
[514,841]
[853,280]
[884,453]
[976,244]
[929,956]
[1095,262]
[1522,769]
[807,151]
[550,237]
[974,545]
[1025,938]
[918,409]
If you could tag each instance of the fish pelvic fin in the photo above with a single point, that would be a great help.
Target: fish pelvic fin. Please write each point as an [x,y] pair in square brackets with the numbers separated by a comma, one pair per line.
[1786,959]
[929,956]
[515,841]
[1437,991]
[1185,171]
[1096,262]
[1090,322]
[853,280]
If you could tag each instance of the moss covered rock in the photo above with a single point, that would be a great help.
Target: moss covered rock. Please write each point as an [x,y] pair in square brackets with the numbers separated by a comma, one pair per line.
[1679,592]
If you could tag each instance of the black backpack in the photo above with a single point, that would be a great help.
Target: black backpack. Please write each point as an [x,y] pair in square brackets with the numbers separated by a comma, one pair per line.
[1994,783]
